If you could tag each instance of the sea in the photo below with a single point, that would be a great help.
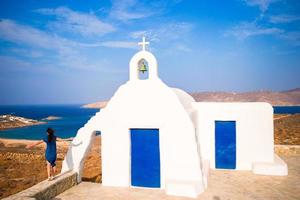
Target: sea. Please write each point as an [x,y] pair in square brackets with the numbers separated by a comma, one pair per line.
[286,109]
[72,118]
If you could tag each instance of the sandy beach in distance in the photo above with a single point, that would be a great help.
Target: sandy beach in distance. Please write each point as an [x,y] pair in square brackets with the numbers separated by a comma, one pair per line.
[13,142]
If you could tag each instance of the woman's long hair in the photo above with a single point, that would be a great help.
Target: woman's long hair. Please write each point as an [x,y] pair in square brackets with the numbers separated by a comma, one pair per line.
[50,132]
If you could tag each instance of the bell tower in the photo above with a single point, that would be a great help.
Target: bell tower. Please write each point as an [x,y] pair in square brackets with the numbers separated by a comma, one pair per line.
[138,62]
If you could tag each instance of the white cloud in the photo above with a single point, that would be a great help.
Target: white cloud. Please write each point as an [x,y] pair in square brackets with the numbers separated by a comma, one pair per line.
[293,37]
[77,22]
[140,34]
[34,38]
[125,10]
[27,52]
[174,35]
[284,18]
[111,44]
[246,29]
[262,4]
[21,34]
[165,32]
[120,44]
[66,53]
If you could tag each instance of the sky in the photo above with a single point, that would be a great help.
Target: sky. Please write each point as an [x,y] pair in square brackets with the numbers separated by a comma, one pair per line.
[69,52]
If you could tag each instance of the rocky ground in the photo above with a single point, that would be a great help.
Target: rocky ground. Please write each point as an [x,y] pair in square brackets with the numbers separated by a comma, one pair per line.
[287,129]
[21,168]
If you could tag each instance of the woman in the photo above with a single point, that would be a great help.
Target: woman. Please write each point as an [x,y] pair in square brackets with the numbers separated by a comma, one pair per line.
[50,154]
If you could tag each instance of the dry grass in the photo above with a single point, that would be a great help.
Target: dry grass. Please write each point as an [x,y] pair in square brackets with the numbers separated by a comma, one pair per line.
[21,168]
[287,129]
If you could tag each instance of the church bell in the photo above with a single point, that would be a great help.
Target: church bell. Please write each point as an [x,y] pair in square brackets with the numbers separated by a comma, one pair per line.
[143,68]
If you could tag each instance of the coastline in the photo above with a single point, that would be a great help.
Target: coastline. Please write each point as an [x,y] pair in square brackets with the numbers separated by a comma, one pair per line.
[50,118]
[21,126]
[96,105]
[13,122]
[285,130]
[8,121]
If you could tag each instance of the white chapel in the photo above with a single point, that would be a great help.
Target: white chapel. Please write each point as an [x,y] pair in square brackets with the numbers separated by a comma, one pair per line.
[155,136]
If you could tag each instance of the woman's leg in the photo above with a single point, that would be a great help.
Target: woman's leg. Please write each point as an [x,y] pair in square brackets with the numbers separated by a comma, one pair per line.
[54,170]
[49,169]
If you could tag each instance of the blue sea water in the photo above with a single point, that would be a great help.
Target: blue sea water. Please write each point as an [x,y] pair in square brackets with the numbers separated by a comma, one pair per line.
[73,117]
[286,109]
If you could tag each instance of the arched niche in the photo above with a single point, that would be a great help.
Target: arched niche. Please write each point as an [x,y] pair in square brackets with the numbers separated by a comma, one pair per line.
[143,75]
[134,65]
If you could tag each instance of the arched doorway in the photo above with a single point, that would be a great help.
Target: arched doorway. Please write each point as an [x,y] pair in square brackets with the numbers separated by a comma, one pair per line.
[92,167]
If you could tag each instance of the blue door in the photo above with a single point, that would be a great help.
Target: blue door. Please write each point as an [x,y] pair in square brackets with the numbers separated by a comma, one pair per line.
[145,158]
[225,144]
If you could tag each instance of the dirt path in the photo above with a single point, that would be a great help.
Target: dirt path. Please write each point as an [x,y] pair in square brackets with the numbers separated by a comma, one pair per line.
[280,116]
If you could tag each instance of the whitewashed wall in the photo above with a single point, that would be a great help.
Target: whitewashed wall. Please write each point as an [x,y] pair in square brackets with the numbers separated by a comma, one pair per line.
[151,104]
[145,104]
[254,131]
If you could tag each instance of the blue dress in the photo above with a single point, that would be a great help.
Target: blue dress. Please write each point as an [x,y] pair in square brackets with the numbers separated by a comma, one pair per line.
[50,153]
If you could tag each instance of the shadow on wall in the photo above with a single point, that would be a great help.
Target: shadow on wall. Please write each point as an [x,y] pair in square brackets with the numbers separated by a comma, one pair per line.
[69,157]
[78,152]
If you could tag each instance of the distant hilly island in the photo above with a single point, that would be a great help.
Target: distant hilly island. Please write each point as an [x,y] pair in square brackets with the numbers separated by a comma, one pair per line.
[283,98]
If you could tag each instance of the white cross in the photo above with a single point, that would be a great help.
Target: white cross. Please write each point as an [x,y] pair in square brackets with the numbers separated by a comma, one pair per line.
[143,44]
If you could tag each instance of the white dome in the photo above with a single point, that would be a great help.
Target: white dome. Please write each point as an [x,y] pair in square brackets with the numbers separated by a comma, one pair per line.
[185,99]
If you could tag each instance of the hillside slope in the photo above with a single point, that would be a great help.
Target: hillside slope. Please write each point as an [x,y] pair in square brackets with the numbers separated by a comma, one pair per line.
[284,98]
[290,97]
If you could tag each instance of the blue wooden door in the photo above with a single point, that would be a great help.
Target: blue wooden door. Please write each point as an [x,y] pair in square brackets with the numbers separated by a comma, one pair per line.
[225,144]
[145,158]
